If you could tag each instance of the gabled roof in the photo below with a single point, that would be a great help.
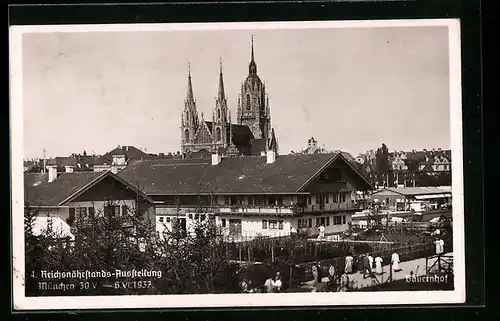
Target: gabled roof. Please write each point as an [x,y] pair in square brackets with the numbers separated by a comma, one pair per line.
[130,152]
[67,186]
[236,175]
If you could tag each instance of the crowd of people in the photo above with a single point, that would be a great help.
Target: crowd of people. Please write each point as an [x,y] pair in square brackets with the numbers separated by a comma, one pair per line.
[273,284]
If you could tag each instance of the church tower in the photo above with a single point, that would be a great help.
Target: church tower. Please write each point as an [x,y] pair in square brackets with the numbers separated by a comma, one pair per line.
[253,104]
[220,122]
[189,119]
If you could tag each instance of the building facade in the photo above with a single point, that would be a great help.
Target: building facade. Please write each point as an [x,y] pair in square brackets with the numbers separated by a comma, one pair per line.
[252,133]
[64,198]
[252,196]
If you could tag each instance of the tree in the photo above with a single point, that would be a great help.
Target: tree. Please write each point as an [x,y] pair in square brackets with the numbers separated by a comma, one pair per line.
[382,160]
[412,165]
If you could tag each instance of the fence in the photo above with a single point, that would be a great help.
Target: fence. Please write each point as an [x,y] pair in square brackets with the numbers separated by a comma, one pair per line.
[406,253]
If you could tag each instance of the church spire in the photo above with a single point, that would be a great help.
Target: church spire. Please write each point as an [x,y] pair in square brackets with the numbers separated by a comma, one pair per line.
[253,60]
[221,95]
[252,67]
[190,96]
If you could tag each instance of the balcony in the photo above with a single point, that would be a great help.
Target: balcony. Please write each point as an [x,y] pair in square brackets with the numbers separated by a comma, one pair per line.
[256,210]
[326,208]
[185,209]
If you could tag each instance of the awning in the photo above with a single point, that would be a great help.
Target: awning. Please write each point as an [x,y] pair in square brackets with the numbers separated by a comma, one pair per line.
[432,196]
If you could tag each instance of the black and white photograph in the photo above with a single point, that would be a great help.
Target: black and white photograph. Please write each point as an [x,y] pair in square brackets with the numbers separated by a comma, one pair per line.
[237,164]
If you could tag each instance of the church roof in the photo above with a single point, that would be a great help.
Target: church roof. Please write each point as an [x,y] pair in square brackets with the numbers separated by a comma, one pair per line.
[234,175]
[242,136]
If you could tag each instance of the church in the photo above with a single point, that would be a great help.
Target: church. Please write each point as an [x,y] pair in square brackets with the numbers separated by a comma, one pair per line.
[252,133]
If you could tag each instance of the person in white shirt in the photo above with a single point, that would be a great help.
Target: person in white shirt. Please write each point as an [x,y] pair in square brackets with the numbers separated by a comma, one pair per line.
[269,285]
[321,230]
[439,246]
[378,265]
[348,264]
[370,259]
[395,262]
[277,283]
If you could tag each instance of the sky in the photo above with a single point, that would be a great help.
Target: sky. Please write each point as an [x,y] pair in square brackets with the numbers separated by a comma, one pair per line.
[350,88]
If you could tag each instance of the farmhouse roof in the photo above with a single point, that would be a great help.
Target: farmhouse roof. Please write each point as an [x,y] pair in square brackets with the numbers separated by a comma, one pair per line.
[234,175]
[39,192]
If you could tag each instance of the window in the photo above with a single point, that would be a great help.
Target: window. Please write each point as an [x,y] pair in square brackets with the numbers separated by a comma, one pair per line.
[227,200]
[308,199]
[327,221]
[196,217]
[233,200]
[280,225]
[316,199]
[71,217]
[202,217]
[186,135]
[264,224]
[327,198]
[218,113]
[248,102]
[91,212]
[81,213]
[218,134]
[223,221]
[337,220]
[109,211]
[343,197]
[190,216]
[279,200]
[124,210]
[161,219]
[343,219]
[168,219]
[317,221]
[273,225]
[117,210]
[322,221]
[310,223]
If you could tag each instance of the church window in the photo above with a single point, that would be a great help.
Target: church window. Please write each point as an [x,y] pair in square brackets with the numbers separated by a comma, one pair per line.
[187,116]
[218,134]
[218,113]
[248,102]
[186,135]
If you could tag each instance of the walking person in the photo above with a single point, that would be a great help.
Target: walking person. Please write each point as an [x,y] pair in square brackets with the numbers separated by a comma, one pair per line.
[348,264]
[321,231]
[366,266]
[395,262]
[378,265]
[331,277]
[370,258]
[344,282]
[277,283]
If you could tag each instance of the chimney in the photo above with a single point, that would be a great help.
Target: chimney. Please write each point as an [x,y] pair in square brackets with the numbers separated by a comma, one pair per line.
[52,172]
[216,158]
[68,169]
[271,156]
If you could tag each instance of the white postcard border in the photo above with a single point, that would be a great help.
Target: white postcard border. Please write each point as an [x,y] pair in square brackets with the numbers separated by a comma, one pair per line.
[21,302]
